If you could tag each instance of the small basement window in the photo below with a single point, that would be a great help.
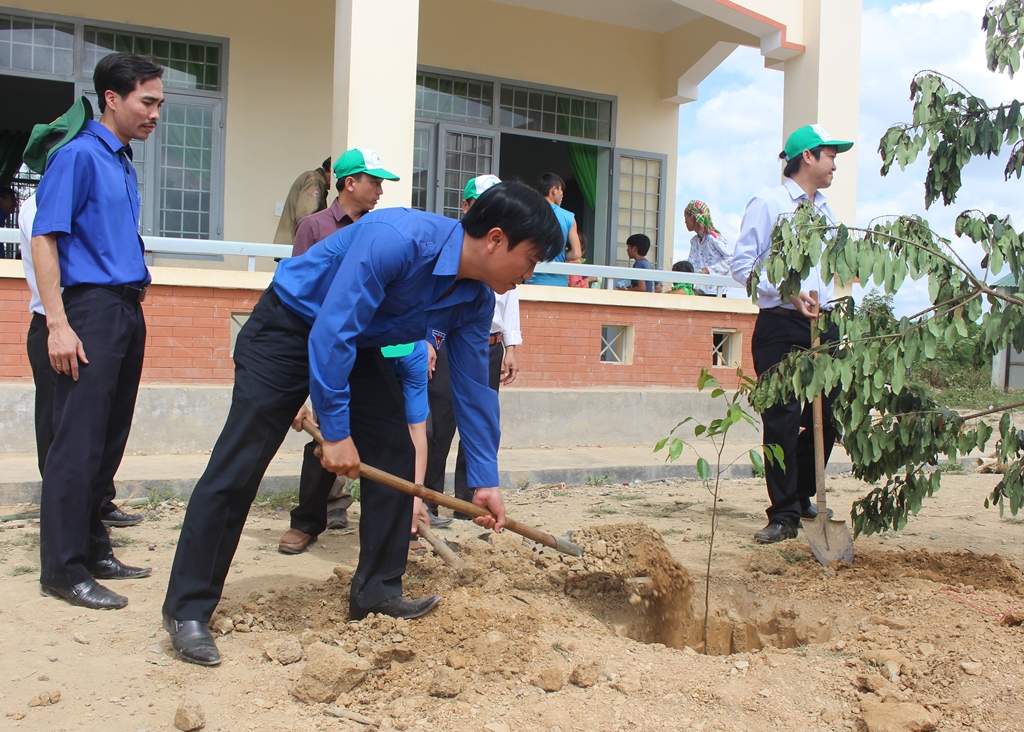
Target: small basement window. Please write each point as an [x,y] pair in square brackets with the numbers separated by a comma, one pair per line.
[725,348]
[617,343]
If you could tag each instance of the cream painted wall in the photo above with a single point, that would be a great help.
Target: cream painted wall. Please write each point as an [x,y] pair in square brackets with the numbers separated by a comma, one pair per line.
[823,86]
[564,52]
[278,121]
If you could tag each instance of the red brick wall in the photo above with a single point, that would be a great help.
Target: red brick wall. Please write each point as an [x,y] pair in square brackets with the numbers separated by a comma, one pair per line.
[562,346]
[190,331]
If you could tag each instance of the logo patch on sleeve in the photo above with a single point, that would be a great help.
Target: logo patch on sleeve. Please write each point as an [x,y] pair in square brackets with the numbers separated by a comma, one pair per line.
[439,337]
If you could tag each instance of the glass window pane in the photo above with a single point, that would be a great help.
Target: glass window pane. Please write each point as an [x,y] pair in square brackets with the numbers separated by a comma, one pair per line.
[455,98]
[187,64]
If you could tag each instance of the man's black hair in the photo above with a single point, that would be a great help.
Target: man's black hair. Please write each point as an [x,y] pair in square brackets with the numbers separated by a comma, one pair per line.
[121,73]
[642,243]
[682,266]
[793,166]
[520,212]
[547,181]
[326,165]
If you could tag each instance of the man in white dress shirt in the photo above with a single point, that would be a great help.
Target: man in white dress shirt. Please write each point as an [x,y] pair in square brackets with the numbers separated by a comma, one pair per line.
[785,325]
[505,336]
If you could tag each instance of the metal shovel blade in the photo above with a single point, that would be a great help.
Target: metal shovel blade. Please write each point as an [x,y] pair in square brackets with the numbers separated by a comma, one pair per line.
[829,538]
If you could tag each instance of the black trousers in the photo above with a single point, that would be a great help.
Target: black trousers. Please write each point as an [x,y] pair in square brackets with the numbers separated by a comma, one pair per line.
[315,483]
[441,423]
[45,380]
[790,425]
[271,383]
[91,421]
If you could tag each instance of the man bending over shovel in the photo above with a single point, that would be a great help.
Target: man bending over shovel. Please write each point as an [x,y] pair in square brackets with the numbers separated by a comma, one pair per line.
[395,276]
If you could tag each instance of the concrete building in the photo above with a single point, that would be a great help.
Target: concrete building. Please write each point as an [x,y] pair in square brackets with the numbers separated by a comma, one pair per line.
[444,90]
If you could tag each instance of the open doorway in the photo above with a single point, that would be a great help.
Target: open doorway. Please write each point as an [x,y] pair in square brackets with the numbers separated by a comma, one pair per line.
[584,168]
[25,103]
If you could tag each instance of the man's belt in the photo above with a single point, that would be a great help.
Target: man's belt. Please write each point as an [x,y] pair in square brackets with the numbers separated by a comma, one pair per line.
[789,312]
[131,293]
[495,338]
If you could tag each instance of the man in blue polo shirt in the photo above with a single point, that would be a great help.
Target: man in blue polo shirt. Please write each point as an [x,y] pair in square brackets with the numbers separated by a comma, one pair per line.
[85,239]
[395,276]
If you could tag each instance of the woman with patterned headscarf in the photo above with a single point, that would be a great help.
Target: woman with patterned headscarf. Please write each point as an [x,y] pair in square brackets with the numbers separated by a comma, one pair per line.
[708,249]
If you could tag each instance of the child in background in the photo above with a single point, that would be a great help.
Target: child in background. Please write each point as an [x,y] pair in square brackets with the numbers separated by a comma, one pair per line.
[682,288]
[580,280]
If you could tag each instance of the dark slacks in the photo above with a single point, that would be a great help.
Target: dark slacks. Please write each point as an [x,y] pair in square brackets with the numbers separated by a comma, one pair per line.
[775,335]
[45,380]
[91,421]
[441,423]
[315,483]
[271,383]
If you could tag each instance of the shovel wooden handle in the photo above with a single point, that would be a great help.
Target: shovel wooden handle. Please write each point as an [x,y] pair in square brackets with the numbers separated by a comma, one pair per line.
[405,486]
[818,425]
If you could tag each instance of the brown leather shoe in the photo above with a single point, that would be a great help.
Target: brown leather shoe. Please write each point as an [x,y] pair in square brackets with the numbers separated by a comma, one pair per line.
[294,542]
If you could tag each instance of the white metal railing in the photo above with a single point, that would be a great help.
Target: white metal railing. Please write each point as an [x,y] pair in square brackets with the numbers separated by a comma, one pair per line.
[254,250]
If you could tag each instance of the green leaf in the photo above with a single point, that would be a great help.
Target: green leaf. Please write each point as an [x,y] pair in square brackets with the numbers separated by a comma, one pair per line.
[756,462]
[703,469]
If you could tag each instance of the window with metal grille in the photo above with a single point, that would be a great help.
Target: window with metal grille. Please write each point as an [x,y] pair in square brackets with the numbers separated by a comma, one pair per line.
[617,343]
[181,166]
[454,98]
[725,349]
[555,113]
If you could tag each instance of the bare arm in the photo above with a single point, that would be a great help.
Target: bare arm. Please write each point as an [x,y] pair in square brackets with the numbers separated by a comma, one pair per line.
[65,349]
[575,247]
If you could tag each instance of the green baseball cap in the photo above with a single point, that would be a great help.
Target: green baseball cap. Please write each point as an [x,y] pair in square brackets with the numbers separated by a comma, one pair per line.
[810,137]
[361,160]
[478,185]
[47,139]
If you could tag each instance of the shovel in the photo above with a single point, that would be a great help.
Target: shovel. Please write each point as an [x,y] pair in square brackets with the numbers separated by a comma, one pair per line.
[399,484]
[829,537]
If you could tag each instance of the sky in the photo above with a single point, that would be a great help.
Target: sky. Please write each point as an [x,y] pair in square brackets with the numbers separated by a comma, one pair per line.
[733,132]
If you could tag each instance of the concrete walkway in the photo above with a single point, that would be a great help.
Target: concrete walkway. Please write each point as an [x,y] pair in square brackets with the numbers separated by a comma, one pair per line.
[141,476]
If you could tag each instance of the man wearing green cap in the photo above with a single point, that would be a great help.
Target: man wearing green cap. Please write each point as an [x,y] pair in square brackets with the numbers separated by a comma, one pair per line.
[502,369]
[359,173]
[307,195]
[92,277]
[783,326]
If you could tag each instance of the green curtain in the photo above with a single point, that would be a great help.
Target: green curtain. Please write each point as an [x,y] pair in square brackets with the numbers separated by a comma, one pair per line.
[12,146]
[584,166]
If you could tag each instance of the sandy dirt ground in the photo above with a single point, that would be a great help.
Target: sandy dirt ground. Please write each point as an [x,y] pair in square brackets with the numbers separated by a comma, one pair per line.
[918,633]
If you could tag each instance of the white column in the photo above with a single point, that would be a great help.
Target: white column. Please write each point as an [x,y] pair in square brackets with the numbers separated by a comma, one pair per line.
[375,50]
[822,86]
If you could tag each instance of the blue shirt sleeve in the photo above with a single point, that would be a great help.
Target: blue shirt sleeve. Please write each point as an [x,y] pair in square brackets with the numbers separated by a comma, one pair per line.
[377,257]
[56,201]
[477,410]
[412,371]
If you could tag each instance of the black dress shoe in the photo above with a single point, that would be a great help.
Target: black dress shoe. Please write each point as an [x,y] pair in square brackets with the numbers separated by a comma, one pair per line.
[112,569]
[775,532]
[90,594]
[117,517]
[810,512]
[192,640]
[398,607]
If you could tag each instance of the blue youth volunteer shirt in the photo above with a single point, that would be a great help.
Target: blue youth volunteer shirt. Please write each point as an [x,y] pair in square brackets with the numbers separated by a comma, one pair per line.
[89,199]
[384,281]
